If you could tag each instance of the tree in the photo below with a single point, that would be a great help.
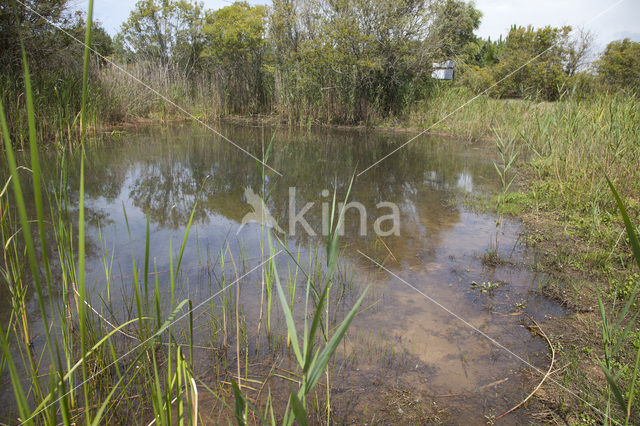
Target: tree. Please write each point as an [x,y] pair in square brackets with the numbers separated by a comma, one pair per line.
[531,63]
[101,41]
[578,51]
[619,65]
[544,76]
[362,57]
[168,32]
[234,44]
[453,27]
[55,62]
[284,28]
[28,23]
[488,52]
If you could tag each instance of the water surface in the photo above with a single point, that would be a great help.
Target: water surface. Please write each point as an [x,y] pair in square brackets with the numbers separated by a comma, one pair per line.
[405,357]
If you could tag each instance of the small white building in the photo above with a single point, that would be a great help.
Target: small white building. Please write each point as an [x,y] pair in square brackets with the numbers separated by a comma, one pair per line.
[443,70]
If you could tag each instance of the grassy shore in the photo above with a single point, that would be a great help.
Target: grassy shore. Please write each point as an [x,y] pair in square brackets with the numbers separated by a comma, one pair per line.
[566,150]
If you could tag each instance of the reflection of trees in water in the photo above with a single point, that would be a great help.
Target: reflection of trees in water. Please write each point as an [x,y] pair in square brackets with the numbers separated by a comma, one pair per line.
[57,175]
[167,181]
[165,191]
[164,172]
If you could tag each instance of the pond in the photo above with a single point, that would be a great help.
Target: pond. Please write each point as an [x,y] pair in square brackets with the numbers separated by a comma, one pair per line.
[418,349]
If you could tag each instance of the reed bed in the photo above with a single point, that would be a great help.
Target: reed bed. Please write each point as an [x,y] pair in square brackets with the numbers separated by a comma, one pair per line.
[100,364]
[566,148]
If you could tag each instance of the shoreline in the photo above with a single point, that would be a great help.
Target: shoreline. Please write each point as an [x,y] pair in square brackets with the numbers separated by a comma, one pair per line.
[547,232]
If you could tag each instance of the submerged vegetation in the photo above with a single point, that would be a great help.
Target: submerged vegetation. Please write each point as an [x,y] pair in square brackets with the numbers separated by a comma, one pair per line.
[570,130]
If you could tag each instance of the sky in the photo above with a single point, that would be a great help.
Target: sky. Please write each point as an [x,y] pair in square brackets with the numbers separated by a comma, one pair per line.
[608,19]
[112,13]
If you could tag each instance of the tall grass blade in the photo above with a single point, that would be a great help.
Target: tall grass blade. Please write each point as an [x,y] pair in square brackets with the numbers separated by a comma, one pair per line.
[81,223]
[614,388]
[631,231]
[298,409]
[332,239]
[85,70]
[241,408]
[323,359]
[291,326]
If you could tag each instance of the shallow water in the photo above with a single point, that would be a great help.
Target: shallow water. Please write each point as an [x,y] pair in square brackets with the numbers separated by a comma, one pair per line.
[407,356]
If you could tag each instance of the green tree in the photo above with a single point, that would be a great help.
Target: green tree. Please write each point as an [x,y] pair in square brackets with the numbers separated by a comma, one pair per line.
[543,77]
[531,63]
[453,29]
[578,51]
[486,52]
[619,65]
[235,46]
[361,58]
[101,41]
[55,62]
[168,32]
[26,23]
[284,28]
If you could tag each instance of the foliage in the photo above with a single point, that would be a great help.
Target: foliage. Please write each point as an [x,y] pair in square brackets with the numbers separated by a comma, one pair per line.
[18,22]
[544,76]
[619,65]
[453,27]
[235,30]
[554,55]
[486,52]
[56,67]
[362,58]
[101,41]
[616,333]
[168,33]
[235,46]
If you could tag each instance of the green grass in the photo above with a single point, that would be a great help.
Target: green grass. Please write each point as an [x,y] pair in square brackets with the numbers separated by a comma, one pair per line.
[618,330]
[566,151]
[92,365]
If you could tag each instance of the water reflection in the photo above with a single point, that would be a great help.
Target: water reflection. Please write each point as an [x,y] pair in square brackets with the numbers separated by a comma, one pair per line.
[161,174]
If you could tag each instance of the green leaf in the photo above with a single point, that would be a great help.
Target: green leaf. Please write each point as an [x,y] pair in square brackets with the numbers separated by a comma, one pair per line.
[631,232]
[323,359]
[614,388]
[241,405]
[317,316]
[298,409]
[291,326]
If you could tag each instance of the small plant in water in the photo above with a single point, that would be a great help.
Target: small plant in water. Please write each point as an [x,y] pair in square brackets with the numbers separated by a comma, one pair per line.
[312,360]
[486,286]
[508,155]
